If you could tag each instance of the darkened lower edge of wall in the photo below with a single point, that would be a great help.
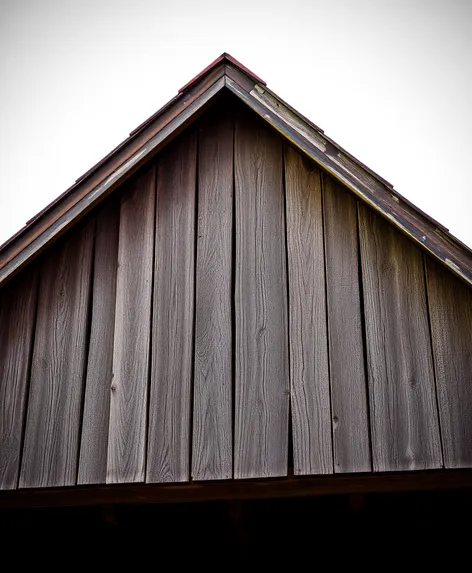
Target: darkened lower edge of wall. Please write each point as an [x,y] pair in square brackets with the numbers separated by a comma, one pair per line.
[241,489]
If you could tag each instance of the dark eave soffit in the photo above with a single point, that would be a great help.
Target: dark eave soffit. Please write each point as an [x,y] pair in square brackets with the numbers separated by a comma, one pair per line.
[152,135]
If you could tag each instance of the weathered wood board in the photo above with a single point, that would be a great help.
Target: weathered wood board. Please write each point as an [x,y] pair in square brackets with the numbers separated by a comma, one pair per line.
[450,306]
[17,322]
[404,421]
[96,414]
[173,314]
[212,455]
[227,289]
[309,374]
[346,349]
[261,341]
[129,385]
[59,359]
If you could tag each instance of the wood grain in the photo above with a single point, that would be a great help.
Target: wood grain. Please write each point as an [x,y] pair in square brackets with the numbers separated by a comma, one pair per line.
[173,314]
[58,365]
[17,322]
[450,307]
[403,412]
[212,449]
[346,349]
[115,169]
[309,374]
[370,188]
[261,345]
[96,415]
[128,398]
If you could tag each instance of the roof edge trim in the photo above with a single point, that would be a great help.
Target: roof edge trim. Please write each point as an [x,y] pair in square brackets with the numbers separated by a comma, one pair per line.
[111,182]
[410,220]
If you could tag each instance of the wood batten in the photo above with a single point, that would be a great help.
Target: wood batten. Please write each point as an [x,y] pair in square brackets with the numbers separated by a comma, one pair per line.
[129,384]
[309,374]
[404,420]
[261,353]
[450,307]
[173,314]
[212,455]
[59,359]
[17,320]
[346,349]
[95,425]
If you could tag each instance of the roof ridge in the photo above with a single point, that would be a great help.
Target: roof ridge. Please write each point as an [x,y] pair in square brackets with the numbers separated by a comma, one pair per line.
[224,57]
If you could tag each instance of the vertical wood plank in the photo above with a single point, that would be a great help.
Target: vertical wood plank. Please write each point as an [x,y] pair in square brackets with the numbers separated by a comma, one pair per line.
[94,442]
[212,406]
[17,321]
[346,349]
[450,304]
[404,421]
[173,314]
[59,357]
[261,345]
[309,374]
[128,398]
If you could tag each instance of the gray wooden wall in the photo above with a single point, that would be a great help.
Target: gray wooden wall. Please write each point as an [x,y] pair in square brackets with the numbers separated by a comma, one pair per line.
[228,290]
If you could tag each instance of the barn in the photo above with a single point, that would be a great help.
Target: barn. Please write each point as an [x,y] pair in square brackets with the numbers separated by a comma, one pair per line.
[231,341]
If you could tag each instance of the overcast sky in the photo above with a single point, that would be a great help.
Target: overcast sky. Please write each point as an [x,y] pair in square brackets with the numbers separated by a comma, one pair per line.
[391,81]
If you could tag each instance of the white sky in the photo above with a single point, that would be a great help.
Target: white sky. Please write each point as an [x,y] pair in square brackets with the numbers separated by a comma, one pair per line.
[390,81]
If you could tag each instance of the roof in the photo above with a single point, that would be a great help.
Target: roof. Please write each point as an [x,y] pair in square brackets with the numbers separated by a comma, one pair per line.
[226,73]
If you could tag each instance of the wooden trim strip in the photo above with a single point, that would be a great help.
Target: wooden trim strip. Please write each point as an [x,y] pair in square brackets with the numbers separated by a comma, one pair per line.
[380,197]
[111,182]
[240,489]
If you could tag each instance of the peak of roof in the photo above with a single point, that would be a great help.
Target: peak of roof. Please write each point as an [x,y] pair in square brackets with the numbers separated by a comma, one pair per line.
[226,73]
[225,57]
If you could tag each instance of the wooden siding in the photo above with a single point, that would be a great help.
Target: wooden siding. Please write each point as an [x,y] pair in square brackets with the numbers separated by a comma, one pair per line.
[129,384]
[450,304]
[404,421]
[17,319]
[350,423]
[261,354]
[230,289]
[173,309]
[309,374]
[212,455]
[95,424]
[54,414]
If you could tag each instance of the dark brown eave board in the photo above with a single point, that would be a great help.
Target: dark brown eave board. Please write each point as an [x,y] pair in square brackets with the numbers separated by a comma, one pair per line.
[238,489]
[411,221]
[72,206]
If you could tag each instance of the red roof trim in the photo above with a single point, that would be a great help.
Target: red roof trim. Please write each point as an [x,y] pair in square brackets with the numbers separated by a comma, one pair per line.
[221,58]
